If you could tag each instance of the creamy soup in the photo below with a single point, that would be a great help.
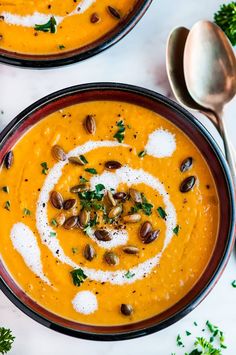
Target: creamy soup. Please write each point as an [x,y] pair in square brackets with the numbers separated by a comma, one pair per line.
[52,26]
[110,213]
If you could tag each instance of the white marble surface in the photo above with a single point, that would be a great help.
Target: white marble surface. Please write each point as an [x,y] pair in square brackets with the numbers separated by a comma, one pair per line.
[138,59]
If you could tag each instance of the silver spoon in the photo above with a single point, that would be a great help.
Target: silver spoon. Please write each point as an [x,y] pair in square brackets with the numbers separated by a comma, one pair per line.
[210,74]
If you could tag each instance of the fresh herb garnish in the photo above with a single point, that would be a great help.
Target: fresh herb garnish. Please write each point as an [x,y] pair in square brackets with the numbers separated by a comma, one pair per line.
[120,134]
[61,46]
[6,340]
[145,206]
[225,18]
[233,283]
[74,250]
[176,230]
[91,171]
[162,213]
[54,222]
[195,323]
[129,275]
[188,333]
[49,26]
[5,189]
[53,234]
[179,341]
[26,212]
[83,180]
[7,205]
[83,159]
[45,167]
[78,276]
[142,154]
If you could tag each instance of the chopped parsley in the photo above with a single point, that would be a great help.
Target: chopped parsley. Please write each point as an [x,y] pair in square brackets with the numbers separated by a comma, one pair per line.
[53,234]
[54,222]
[91,171]
[120,134]
[176,230]
[78,276]
[82,180]
[142,154]
[7,205]
[50,26]
[26,212]
[179,341]
[45,167]
[145,206]
[129,275]
[83,159]
[5,189]
[61,46]
[161,212]
[188,333]
[233,283]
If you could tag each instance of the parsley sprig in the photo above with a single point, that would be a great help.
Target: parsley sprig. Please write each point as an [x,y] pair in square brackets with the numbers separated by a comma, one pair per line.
[226,19]
[6,340]
[78,276]
[144,206]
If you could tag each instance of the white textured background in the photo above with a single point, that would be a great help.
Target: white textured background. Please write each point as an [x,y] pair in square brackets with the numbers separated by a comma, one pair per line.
[138,59]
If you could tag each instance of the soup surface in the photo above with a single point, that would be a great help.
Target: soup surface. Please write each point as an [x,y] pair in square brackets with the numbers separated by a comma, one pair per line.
[110,213]
[52,26]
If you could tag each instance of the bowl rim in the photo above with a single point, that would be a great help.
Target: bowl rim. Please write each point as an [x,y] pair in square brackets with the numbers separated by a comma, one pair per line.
[78,54]
[106,86]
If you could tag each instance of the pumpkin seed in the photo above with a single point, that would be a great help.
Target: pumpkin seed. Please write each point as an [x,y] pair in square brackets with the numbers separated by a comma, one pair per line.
[115,212]
[111,199]
[58,153]
[126,309]
[145,229]
[186,164]
[130,249]
[135,195]
[78,188]
[60,219]
[8,159]
[113,165]
[78,160]
[56,200]
[132,218]
[90,124]
[89,252]
[69,204]
[120,196]
[102,235]
[84,218]
[111,258]
[95,18]
[114,12]
[187,184]
[71,222]
[151,236]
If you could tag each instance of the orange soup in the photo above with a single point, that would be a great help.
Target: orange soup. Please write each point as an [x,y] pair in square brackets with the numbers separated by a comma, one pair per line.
[47,27]
[110,213]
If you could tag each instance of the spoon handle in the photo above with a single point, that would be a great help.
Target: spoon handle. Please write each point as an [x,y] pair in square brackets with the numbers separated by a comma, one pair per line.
[228,148]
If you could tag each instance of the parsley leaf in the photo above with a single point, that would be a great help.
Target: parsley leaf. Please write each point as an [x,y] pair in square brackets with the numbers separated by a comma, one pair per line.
[78,276]
[179,341]
[129,275]
[161,212]
[176,230]
[53,234]
[83,159]
[45,167]
[49,26]
[91,171]
[233,283]
[119,135]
